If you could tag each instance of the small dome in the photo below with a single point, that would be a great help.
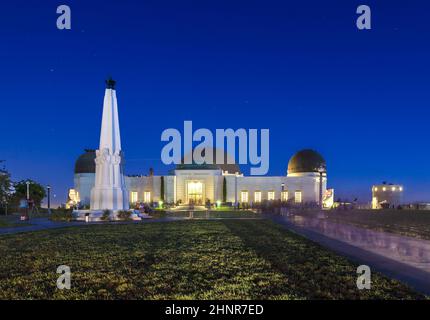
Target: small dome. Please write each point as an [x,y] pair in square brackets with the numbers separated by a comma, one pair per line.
[225,166]
[306,161]
[85,162]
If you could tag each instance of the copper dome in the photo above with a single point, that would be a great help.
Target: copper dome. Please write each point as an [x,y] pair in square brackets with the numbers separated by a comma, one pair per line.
[85,163]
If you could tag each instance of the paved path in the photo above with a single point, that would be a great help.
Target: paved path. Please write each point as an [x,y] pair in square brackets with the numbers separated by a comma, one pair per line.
[403,258]
[37,224]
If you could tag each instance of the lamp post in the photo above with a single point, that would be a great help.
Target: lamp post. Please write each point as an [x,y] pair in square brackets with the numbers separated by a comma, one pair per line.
[28,190]
[321,170]
[28,198]
[49,198]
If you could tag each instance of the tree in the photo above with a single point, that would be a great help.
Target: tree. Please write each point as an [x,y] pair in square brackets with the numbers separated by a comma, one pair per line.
[37,192]
[5,189]
[162,188]
[224,191]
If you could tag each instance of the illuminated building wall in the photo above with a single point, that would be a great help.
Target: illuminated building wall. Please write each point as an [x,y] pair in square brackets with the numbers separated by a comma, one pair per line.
[386,196]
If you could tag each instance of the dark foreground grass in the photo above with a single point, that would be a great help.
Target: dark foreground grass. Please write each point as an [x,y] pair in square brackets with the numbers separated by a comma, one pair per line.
[412,223]
[228,259]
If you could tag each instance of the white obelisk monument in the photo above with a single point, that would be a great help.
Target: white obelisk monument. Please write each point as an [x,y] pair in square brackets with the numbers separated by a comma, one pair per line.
[109,191]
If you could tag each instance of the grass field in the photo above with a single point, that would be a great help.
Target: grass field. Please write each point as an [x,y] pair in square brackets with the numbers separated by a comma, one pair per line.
[11,221]
[225,259]
[413,223]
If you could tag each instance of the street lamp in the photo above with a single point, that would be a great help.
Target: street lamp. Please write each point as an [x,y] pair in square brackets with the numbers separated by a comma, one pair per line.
[48,187]
[28,199]
[28,190]
[321,170]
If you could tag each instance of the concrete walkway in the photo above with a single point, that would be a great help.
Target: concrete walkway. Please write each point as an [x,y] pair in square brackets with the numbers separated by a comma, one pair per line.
[38,224]
[399,257]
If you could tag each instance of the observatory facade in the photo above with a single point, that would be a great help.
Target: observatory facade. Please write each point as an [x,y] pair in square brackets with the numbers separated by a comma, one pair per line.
[100,182]
[198,184]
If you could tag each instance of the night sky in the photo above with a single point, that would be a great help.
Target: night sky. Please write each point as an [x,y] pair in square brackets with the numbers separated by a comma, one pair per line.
[299,68]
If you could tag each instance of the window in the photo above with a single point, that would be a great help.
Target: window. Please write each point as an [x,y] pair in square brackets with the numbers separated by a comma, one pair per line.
[133,197]
[74,196]
[147,196]
[244,196]
[298,196]
[284,196]
[271,195]
[257,196]
[374,203]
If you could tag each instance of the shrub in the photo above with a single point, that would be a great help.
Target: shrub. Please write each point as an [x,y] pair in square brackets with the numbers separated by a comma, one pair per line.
[105,216]
[124,215]
[61,215]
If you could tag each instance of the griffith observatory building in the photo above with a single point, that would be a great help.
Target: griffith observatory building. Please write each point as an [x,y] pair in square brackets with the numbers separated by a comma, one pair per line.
[100,181]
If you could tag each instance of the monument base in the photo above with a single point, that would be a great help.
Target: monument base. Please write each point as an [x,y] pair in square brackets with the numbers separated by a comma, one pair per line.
[99,215]
[114,198]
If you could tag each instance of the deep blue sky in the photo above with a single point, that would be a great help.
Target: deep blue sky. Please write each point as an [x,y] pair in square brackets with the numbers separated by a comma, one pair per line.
[299,68]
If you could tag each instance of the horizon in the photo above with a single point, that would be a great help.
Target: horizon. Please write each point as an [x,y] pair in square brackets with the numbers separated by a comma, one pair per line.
[359,98]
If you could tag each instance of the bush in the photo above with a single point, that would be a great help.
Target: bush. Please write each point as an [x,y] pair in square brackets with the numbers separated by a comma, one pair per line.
[106,215]
[124,215]
[61,215]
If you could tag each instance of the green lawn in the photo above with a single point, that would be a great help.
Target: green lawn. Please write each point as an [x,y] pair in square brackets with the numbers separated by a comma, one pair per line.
[11,221]
[225,259]
[413,223]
